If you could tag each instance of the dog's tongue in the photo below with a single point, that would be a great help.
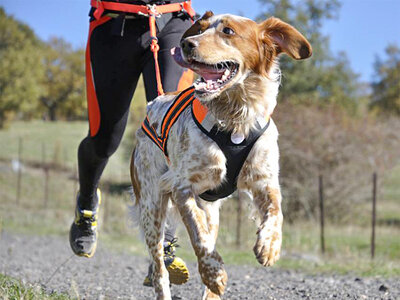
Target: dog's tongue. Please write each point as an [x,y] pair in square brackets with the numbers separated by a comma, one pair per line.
[205,71]
[210,75]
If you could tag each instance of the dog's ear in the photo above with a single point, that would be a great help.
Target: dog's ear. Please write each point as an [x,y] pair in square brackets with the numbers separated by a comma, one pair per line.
[200,25]
[285,38]
[208,14]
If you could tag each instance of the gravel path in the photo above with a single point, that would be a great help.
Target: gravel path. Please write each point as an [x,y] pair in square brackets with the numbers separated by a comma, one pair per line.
[119,276]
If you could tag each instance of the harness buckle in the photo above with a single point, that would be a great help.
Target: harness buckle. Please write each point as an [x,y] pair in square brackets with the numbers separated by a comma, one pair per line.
[152,8]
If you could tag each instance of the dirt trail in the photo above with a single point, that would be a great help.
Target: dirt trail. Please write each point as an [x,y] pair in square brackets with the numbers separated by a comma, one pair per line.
[119,276]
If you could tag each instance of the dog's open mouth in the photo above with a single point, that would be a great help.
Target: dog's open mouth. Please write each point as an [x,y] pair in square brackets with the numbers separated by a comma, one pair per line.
[213,77]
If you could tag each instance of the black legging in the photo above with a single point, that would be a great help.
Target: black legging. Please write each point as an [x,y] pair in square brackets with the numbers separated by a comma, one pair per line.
[116,63]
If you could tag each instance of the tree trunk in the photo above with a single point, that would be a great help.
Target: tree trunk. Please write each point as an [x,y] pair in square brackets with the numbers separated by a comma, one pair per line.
[2,119]
[52,113]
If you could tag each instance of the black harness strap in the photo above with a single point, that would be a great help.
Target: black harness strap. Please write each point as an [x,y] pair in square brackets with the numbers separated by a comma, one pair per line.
[235,154]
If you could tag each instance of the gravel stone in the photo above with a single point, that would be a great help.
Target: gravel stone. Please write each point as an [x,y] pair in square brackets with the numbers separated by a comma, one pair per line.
[48,261]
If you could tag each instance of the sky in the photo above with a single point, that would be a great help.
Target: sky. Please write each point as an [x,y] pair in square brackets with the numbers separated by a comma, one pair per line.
[363,30]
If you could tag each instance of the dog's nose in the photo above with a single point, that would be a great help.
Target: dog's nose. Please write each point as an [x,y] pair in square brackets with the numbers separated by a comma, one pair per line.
[188,46]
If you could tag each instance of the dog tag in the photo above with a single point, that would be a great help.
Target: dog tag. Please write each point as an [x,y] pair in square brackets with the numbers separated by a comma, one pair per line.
[237,138]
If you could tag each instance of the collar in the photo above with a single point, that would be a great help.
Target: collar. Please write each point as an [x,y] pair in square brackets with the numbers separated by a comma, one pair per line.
[207,120]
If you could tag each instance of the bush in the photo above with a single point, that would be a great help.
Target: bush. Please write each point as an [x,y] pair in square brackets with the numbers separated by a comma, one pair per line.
[346,150]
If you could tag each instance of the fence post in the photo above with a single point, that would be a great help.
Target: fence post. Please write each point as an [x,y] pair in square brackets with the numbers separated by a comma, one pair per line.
[238,222]
[374,190]
[19,170]
[65,158]
[321,213]
[46,176]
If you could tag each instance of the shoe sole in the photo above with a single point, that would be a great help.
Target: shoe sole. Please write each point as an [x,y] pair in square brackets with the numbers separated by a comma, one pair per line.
[88,255]
[178,272]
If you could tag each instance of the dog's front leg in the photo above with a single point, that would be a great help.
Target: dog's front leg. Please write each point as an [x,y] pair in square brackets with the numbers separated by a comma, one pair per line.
[211,210]
[152,222]
[210,262]
[269,235]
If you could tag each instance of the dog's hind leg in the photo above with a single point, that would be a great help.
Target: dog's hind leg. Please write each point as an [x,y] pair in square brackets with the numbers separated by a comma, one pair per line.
[210,262]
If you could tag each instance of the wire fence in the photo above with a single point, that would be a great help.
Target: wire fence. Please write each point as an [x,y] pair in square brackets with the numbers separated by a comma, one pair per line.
[233,214]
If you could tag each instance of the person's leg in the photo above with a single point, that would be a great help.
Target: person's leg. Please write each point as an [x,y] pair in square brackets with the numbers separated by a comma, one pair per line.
[113,66]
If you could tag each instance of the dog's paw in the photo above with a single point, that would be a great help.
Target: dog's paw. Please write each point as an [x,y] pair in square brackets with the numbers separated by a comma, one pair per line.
[208,295]
[268,245]
[212,272]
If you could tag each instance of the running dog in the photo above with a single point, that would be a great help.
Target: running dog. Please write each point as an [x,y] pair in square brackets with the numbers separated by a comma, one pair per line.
[198,146]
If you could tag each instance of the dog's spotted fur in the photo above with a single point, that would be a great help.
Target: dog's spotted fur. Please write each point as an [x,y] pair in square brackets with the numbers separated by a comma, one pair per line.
[197,164]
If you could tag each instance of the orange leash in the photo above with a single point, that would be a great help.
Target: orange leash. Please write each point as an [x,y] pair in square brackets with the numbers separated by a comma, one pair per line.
[150,11]
[155,47]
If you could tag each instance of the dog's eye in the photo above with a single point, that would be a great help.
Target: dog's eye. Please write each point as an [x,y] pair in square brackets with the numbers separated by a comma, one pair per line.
[228,31]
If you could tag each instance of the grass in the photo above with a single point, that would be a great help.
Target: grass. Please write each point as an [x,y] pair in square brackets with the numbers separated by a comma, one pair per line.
[12,289]
[347,244]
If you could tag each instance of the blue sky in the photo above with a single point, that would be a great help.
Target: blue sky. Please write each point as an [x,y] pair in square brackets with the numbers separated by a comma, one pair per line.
[363,29]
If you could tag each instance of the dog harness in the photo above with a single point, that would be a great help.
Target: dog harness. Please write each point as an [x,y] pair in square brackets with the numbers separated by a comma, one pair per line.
[152,11]
[235,147]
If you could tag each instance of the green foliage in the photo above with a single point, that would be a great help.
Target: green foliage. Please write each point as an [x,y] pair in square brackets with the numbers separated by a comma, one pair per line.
[38,78]
[20,68]
[11,288]
[324,78]
[63,83]
[386,86]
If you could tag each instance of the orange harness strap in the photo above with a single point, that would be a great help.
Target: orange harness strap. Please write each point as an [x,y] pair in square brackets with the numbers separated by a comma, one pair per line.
[181,102]
[150,11]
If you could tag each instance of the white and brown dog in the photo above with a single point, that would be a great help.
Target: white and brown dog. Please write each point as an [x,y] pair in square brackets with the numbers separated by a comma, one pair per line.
[236,59]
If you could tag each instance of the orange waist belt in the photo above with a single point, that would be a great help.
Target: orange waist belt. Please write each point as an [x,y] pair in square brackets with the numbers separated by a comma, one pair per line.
[151,11]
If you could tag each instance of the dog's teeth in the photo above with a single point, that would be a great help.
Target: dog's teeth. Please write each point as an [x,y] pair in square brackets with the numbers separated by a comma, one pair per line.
[227,71]
[219,81]
[223,78]
[199,85]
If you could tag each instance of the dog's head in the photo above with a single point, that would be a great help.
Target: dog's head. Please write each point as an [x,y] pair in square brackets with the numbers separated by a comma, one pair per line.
[225,49]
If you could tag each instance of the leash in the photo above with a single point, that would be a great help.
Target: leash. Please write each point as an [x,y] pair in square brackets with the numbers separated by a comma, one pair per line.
[152,11]
[58,268]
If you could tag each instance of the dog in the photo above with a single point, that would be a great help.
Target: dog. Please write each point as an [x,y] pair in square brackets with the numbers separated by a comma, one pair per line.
[188,142]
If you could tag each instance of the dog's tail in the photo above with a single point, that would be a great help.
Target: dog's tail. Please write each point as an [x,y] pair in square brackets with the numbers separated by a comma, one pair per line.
[134,209]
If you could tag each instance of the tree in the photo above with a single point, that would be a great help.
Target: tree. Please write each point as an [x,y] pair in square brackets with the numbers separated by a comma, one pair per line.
[386,85]
[19,68]
[63,83]
[324,78]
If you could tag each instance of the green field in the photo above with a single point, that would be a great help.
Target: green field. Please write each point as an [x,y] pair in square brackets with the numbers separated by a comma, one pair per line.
[347,244]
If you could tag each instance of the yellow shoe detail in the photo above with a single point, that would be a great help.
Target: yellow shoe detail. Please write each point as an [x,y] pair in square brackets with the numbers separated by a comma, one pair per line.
[178,271]
[147,281]
[87,213]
